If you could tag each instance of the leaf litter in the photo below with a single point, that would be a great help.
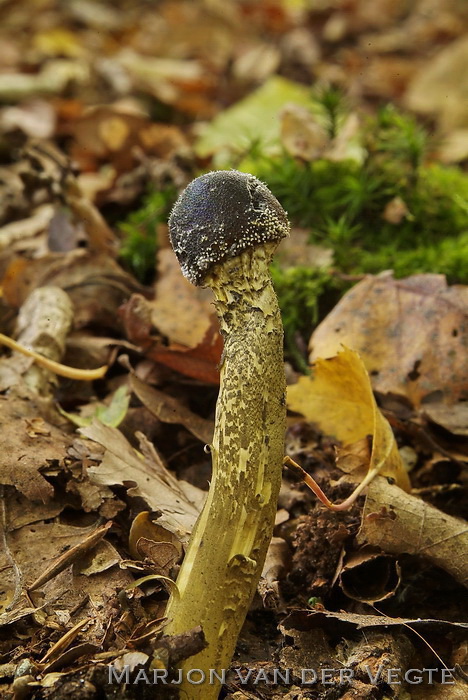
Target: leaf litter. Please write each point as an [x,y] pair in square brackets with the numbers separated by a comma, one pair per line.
[92,118]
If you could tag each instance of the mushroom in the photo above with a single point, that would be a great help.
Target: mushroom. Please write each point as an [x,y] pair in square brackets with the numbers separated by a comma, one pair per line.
[224,229]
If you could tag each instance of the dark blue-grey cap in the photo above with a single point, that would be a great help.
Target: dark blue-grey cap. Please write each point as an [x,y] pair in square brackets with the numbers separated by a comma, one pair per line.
[218,216]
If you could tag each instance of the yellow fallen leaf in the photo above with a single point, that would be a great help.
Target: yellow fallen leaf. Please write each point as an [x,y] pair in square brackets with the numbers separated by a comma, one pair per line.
[338,398]
[58,42]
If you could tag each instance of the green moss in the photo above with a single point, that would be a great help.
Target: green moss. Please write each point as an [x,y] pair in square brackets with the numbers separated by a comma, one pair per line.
[448,257]
[140,233]
[305,295]
[343,204]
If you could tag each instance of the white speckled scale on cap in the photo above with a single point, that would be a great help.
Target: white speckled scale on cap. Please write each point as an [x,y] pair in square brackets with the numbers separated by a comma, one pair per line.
[219,215]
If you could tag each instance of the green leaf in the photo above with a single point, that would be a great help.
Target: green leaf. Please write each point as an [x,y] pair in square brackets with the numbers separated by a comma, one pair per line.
[253,120]
[111,415]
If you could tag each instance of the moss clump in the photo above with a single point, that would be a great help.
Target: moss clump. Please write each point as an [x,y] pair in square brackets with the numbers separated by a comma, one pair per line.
[343,203]
[140,233]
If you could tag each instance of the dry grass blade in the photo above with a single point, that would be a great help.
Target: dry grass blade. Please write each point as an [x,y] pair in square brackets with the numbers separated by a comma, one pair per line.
[70,557]
[64,642]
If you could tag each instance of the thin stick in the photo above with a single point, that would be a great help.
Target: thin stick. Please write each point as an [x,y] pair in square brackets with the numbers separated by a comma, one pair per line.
[84,375]
[69,558]
[312,484]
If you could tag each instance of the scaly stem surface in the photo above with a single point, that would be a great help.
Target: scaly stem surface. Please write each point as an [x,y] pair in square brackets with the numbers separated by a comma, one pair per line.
[228,546]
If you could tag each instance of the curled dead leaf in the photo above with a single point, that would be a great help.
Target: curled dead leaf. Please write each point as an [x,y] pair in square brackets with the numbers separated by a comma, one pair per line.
[145,476]
[180,311]
[339,399]
[144,534]
[369,576]
[170,410]
[398,523]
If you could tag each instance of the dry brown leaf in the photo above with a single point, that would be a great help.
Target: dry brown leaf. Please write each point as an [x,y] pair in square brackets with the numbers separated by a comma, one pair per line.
[96,284]
[339,399]
[20,511]
[395,211]
[411,334]
[136,318]
[170,410]
[388,76]
[301,133]
[180,311]
[440,86]
[56,176]
[111,134]
[277,562]
[181,82]
[182,314]
[35,118]
[101,238]
[355,457]
[69,557]
[454,147]
[340,622]
[67,658]
[35,548]
[200,362]
[400,523]
[16,233]
[157,547]
[144,527]
[256,63]
[101,558]
[453,418]
[178,502]
[22,457]
[53,78]
[297,250]
[369,576]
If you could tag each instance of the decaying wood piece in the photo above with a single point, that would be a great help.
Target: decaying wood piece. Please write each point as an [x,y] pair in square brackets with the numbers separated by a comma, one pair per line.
[43,324]
[398,523]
